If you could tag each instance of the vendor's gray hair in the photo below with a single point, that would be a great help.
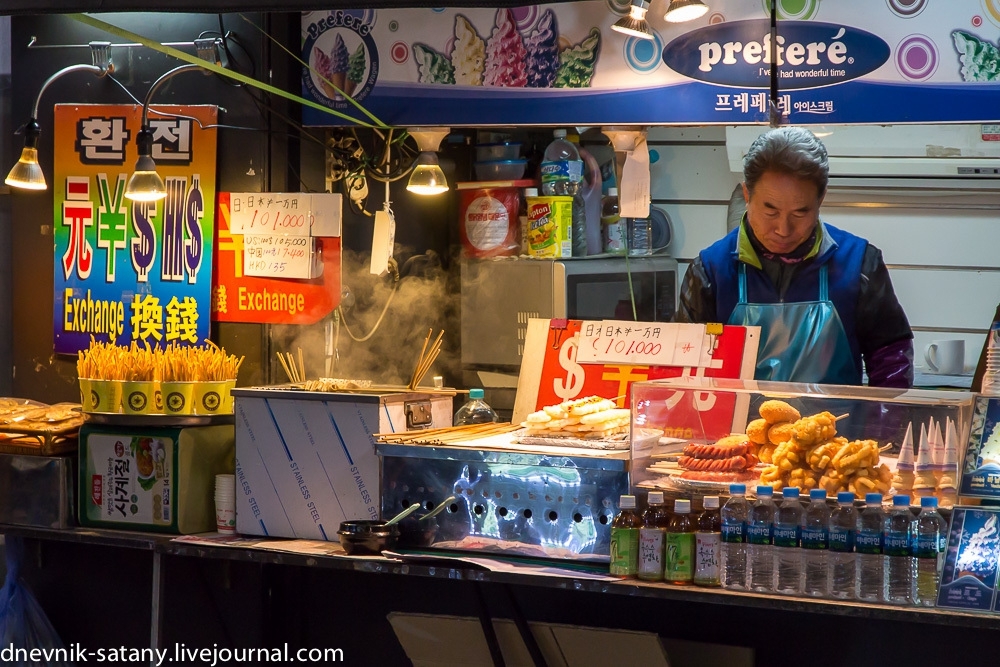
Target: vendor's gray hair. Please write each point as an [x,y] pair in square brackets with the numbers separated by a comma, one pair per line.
[788,150]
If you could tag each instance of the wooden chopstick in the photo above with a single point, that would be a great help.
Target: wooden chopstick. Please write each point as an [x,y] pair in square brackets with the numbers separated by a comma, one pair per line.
[285,366]
[420,359]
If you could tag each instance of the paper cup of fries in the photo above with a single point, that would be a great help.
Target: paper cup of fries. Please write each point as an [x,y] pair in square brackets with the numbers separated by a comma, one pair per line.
[228,403]
[85,390]
[178,397]
[210,398]
[140,398]
[104,396]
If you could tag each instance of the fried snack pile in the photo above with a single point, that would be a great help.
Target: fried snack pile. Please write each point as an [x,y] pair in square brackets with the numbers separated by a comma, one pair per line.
[807,452]
[590,418]
[107,361]
[728,460]
[35,417]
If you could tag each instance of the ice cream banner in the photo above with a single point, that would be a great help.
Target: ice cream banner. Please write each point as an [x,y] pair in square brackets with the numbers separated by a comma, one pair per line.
[981,467]
[240,295]
[843,61]
[969,576]
[128,271]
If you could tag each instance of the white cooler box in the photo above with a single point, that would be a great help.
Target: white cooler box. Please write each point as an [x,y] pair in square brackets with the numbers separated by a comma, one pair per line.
[305,460]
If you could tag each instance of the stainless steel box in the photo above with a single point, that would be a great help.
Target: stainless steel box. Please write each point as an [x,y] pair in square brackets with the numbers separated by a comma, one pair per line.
[36,490]
[515,503]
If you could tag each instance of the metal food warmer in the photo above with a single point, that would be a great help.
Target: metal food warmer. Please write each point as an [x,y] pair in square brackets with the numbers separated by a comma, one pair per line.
[550,503]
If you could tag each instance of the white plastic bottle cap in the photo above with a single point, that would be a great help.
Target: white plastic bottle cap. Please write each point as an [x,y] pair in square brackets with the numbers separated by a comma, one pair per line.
[655,498]
[612,192]
[682,506]
[711,502]
[627,502]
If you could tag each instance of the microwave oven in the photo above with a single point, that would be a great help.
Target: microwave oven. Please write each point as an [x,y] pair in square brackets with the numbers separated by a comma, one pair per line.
[500,296]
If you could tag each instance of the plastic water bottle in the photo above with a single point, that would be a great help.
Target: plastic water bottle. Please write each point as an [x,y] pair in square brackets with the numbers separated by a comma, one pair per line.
[625,539]
[899,559]
[476,411]
[612,224]
[562,175]
[651,538]
[734,537]
[931,540]
[706,544]
[815,545]
[759,527]
[868,544]
[787,545]
[843,526]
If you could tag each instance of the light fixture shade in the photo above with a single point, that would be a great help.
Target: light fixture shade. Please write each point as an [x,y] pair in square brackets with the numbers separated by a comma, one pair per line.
[427,177]
[145,184]
[685,10]
[635,24]
[27,174]
[428,138]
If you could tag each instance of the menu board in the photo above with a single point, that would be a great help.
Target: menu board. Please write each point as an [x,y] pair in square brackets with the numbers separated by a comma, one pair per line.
[981,468]
[969,578]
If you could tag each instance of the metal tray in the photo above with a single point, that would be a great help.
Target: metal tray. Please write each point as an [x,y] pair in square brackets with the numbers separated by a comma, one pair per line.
[156,420]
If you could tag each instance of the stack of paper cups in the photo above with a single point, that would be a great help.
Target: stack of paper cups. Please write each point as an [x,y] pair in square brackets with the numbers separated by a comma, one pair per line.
[991,378]
[225,503]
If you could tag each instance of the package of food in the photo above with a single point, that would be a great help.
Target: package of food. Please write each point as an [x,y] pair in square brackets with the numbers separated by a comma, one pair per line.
[488,221]
[550,226]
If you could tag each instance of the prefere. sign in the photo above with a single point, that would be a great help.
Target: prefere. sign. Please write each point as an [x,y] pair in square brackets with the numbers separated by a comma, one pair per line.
[969,577]
[270,293]
[128,271]
[850,61]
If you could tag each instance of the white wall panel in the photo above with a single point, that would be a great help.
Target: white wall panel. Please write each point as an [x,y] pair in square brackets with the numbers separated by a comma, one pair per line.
[698,173]
[695,226]
[708,133]
[960,299]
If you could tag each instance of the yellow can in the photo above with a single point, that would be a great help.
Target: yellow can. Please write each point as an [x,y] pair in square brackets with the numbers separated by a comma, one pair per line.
[550,226]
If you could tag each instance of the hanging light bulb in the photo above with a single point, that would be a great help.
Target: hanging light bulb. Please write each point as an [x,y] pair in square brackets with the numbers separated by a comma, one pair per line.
[685,10]
[635,24]
[27,173]
[427,177]
[145,184]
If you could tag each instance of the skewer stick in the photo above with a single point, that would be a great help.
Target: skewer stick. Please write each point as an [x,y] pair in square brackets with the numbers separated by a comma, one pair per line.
[839,417]
[427,361]
[285,366]
[302,366]
[420,359]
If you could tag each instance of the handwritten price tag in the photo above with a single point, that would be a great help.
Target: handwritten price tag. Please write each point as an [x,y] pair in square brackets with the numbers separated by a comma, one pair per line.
[277,256]
[634,343]
[295,213]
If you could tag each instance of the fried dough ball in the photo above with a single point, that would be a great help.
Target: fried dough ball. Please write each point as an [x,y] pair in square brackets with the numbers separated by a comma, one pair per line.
[780,433]
[778,411]
[814,429]
[757,431]
[734,439]
[765,453]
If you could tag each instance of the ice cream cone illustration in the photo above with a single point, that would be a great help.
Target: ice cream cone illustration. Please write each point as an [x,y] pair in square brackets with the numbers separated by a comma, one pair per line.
[355,70]
[506,57]
[543,52]
[468,57]
[432,66]
[577,63]
[338,66]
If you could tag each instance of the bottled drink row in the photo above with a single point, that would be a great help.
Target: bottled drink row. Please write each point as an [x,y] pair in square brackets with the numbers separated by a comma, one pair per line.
[840,553]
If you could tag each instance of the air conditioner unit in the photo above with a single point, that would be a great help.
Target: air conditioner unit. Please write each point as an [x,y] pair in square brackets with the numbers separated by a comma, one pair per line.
[952,156]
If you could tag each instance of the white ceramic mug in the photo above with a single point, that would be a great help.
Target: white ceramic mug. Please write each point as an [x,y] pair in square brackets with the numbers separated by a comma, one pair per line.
[946,357]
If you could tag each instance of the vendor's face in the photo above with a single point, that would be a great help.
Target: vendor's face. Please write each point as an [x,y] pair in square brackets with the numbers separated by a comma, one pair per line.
[782,210]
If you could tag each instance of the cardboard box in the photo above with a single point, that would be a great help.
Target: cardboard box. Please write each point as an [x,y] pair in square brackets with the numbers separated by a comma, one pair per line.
[305,461]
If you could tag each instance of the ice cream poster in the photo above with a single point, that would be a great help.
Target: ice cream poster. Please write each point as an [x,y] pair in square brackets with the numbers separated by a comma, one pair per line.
[849,61]
[981,467]
[128,271]
[969,577]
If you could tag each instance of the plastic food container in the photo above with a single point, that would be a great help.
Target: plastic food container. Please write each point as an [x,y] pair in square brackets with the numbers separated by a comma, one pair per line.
[367,537]
[500,170]
[507,150]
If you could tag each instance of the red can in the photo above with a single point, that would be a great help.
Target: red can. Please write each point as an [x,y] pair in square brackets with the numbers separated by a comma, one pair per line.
[488,221]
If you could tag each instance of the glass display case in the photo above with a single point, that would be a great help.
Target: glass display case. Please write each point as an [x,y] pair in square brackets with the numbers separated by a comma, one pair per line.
[701,434]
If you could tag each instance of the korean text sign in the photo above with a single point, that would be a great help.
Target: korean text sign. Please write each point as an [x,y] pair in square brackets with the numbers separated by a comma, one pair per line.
[128,271]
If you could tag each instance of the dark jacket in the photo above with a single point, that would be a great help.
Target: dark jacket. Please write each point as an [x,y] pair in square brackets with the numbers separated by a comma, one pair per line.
[860,288]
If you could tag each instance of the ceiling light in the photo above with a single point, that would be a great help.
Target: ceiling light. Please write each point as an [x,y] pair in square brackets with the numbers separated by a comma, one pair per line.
[635,24]
[427,177]
[27,173]
[685,10]
[145,184]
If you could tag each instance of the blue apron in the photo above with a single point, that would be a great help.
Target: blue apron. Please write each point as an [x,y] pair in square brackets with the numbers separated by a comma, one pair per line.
[801,341]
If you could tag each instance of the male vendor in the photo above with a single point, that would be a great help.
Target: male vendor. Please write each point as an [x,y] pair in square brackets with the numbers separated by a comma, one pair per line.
[821,296]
